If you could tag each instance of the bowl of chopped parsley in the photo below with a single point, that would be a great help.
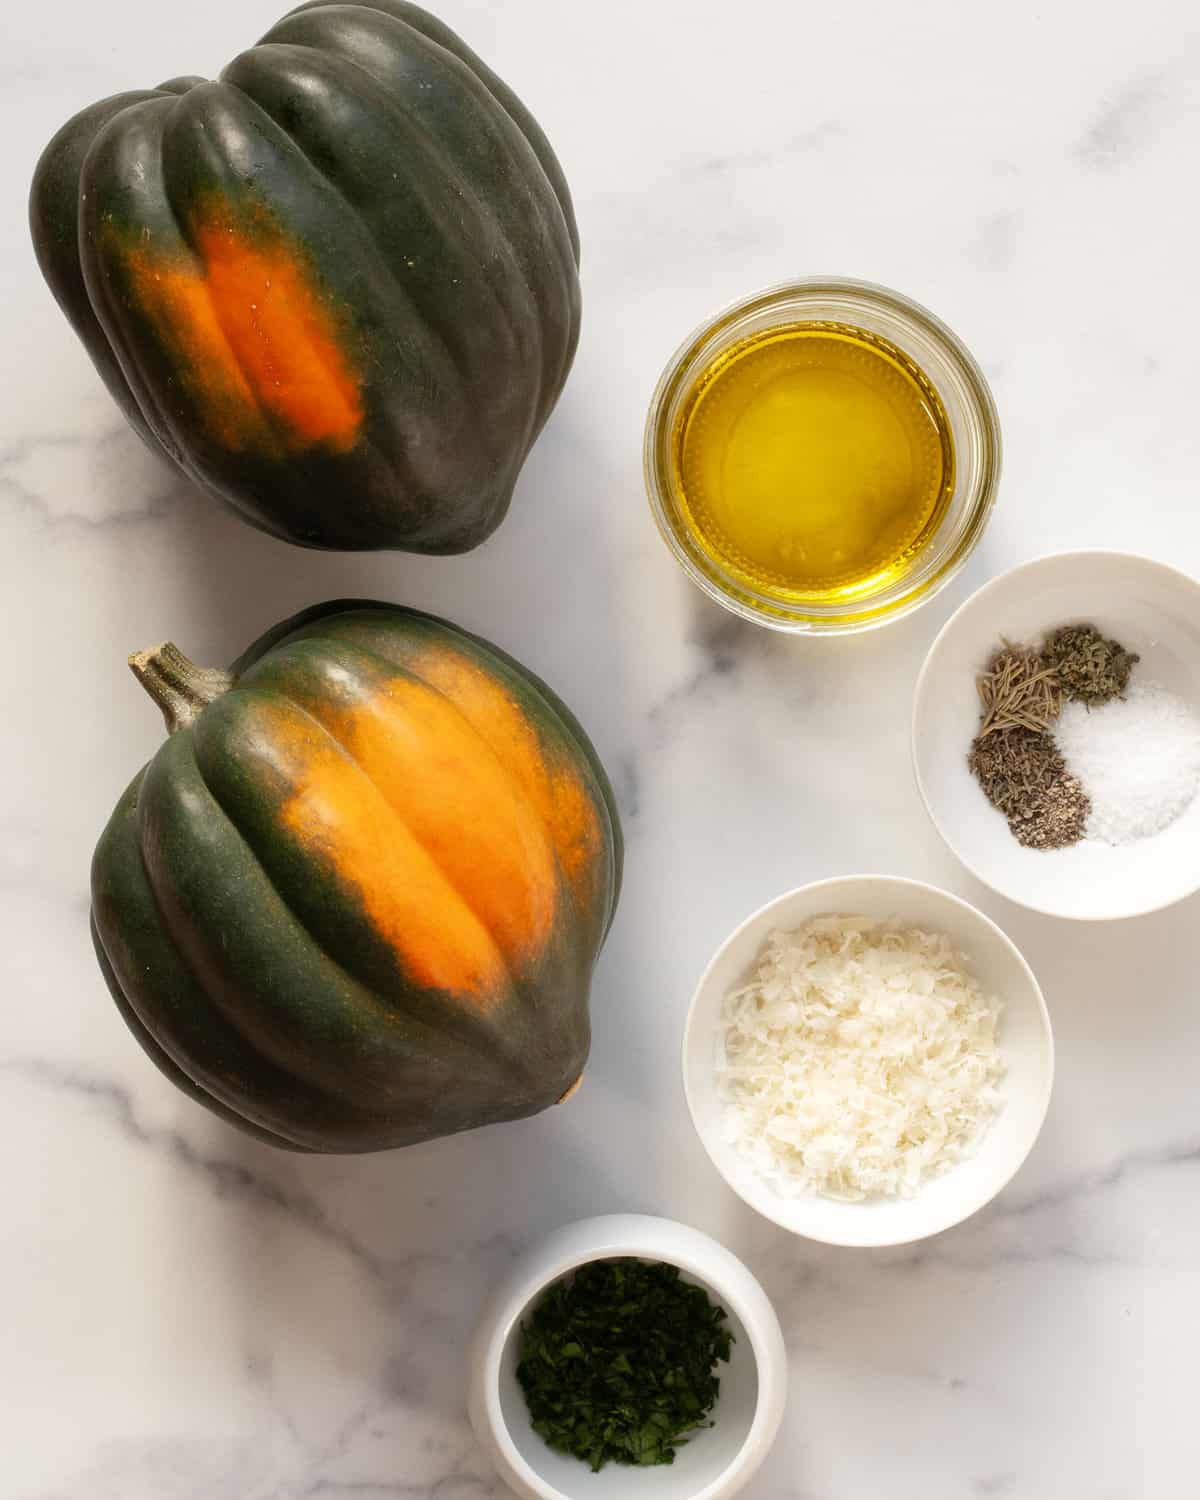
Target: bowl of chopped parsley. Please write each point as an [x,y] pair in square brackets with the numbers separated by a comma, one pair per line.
[627,1356]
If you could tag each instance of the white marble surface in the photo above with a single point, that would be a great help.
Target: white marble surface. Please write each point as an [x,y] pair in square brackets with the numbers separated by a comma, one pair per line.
[190,1316]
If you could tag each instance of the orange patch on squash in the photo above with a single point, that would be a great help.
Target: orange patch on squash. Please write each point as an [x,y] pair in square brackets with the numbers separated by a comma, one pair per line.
[395,793]
[176,299]
[343,821]
[260,348]
[557,790]
[456,798]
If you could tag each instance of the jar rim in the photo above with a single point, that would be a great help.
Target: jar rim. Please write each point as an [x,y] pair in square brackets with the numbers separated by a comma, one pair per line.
[971,509]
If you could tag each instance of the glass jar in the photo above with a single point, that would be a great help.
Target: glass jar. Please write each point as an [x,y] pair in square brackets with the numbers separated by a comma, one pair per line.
[965,397]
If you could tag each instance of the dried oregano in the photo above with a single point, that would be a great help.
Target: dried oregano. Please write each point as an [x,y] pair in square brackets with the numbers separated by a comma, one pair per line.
[1089,667]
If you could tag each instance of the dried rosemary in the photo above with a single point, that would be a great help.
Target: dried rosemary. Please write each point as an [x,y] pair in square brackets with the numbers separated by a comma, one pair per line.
[1089,668]
[1018,691]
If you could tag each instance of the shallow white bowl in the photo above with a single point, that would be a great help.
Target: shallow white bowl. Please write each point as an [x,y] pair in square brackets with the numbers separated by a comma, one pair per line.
[715,1462]
[1150,608]
[1025,1041]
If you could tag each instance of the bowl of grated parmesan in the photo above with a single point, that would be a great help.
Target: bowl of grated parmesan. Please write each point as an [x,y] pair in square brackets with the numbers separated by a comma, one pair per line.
[868,1060]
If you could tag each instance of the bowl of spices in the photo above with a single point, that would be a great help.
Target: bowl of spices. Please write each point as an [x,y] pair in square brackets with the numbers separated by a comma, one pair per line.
[627,1356]
[1056,735]
[822,457]
[868,1060]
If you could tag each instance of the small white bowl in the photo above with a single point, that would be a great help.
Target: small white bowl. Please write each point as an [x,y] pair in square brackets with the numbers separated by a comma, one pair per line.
[1150,608]
[715,1462]
[1025,1041]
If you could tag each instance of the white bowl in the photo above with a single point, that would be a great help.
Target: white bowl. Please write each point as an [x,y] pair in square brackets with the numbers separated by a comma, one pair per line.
[715,1462]
[1025,1041]
[1150,608]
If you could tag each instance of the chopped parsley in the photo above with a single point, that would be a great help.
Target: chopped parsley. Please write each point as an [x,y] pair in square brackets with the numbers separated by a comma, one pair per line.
[617,1362]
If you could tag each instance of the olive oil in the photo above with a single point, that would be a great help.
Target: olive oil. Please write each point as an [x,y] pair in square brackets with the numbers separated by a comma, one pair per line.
[813,461]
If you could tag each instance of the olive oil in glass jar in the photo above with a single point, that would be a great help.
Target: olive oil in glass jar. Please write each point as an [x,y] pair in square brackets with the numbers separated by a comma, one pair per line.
[814,460]
[822,456]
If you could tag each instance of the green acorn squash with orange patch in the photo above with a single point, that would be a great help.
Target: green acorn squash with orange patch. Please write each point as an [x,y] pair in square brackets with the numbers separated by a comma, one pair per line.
[356,898]
[337,288]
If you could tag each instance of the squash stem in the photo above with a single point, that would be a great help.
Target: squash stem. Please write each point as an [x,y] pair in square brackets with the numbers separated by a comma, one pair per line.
[181,689]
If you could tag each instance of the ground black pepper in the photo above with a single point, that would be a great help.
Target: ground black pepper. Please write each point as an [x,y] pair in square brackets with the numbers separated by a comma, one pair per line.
[1024,776]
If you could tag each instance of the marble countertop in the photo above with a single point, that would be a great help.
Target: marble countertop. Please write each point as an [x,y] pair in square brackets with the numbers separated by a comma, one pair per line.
[192,1316]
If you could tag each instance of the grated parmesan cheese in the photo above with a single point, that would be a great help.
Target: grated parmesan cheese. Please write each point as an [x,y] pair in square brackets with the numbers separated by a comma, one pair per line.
[861,1059]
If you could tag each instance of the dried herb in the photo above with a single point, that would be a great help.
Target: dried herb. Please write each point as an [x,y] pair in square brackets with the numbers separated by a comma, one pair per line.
[1024,776]
[1018,691]
[617,1362]
[1014,756]
[1091,668]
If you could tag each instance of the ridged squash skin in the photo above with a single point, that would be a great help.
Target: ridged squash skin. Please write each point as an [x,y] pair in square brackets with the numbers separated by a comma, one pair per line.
[337,288]
[355,899]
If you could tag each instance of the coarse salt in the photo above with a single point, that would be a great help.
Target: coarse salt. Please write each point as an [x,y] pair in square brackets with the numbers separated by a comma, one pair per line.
[1137,757]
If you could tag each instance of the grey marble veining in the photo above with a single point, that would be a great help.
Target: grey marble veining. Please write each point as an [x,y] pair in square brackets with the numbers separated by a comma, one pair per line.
[192,1316]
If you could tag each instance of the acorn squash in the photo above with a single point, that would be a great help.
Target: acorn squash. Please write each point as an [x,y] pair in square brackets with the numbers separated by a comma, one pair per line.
[355,899]
[337,288]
